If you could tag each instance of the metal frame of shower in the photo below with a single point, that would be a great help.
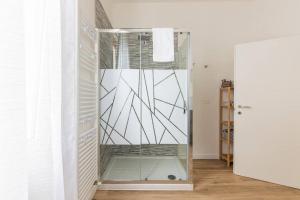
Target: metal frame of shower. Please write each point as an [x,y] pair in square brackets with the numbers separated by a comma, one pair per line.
[154,185]
[135,30]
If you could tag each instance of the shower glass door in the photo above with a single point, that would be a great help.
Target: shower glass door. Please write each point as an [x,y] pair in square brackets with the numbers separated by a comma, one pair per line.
[119,107]
[164,112]
[143,108]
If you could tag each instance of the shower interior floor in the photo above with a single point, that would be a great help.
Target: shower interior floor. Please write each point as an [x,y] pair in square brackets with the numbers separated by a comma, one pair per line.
[144,168]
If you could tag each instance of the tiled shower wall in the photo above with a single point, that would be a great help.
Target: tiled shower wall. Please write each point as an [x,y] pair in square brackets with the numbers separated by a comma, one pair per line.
[103,22]
[137,46]
[140,48]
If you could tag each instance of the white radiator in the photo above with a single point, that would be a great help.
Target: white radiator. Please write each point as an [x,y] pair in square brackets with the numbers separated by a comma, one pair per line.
[87,109]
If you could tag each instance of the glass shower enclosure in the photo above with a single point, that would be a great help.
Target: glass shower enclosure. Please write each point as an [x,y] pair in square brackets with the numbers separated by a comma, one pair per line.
[144,108]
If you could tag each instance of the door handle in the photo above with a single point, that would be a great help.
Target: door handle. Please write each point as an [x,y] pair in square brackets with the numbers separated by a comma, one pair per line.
[244,107]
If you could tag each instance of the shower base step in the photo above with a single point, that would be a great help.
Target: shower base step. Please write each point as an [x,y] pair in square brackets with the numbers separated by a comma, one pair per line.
[146,186]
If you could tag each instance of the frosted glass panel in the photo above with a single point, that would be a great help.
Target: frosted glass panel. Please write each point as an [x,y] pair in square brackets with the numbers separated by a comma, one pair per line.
[163,100]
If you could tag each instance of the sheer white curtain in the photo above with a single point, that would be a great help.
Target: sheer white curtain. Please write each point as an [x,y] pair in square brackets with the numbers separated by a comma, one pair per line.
[13,175]
[43,44]
[37,91]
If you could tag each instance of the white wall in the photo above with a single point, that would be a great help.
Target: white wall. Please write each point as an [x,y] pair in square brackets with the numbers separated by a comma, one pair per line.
[215,26]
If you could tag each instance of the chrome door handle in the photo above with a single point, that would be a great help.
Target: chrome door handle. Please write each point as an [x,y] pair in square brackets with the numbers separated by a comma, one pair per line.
[244,107]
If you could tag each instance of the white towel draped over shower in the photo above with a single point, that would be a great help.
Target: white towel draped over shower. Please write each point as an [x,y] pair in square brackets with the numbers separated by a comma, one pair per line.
[163,44]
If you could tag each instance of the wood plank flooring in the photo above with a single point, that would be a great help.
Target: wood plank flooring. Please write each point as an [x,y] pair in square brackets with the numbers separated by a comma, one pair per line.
[212,181]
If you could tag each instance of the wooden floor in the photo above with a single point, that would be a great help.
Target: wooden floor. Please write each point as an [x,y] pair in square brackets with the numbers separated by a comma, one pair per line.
[212,181]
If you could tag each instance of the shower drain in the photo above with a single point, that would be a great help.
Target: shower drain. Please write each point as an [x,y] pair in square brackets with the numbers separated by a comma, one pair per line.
[171,177]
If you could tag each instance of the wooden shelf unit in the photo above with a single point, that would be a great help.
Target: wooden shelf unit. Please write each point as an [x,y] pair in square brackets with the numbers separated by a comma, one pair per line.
[226,124]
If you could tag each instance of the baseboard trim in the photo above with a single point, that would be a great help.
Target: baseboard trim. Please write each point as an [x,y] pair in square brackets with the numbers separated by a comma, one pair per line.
[175,187]
[206,156]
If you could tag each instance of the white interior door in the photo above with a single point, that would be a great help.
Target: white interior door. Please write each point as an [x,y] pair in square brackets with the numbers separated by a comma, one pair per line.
[267,111]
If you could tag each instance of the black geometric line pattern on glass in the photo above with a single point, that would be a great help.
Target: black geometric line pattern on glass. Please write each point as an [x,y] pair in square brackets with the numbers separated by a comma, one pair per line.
[106,110]
[164,79]
[180,89]
[105,133]
[149,106]
[169,103]
[112,103]
[116,132]
[138,96]
[143,130]
[171,122]
[104,88]
[129,115]
[108,93]
[153,91]
[102,76]
[123,106]
[169,117]
[157,117]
